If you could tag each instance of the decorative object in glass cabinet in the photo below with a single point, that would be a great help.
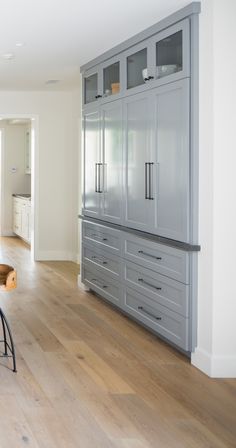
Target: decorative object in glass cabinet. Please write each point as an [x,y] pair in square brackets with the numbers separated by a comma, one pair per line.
[111,79]
[169,55]
[136,64]
[91,88]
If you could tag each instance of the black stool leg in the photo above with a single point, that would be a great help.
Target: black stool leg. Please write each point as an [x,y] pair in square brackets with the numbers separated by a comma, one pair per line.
[11,347]
[4,333]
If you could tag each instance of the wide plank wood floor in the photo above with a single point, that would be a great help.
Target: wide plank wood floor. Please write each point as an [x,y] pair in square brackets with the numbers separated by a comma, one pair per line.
[88,377]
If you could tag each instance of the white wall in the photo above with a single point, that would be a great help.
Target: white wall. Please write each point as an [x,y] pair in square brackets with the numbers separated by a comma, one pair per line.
[57,184]
[216,351]
[14,140]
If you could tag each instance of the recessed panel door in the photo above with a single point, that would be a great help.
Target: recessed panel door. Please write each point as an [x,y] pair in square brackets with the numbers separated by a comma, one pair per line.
[92,163]
[139,163]
[171,115]
[112,156]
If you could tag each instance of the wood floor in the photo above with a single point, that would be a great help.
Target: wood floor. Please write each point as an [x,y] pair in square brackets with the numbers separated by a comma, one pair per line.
[88,377]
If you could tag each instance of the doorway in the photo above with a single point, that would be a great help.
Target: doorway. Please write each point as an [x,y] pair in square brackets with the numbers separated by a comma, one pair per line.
[18,204]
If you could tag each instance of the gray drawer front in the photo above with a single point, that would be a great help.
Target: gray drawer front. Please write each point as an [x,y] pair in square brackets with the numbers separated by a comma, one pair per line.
[98,257]
[173,263]
[160,289]
[102,284]
[102,236]
[168,324]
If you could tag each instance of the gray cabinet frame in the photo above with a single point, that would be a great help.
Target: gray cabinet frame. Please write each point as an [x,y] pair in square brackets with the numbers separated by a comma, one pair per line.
[188,15]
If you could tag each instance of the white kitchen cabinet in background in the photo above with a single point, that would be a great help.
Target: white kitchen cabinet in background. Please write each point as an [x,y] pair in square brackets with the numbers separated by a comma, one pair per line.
[21,218]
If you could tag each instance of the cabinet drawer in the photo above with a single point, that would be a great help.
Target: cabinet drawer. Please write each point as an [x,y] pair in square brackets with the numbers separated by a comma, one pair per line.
[160,289]
[102,236]
[102,284]
[168,324]
[166,260]
[99,257]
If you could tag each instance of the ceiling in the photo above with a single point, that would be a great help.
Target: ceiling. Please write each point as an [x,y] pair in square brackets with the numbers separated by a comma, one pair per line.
[44,40]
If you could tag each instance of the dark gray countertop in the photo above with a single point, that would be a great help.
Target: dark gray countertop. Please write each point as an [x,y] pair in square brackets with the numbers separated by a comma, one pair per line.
[22,196]
[158,239]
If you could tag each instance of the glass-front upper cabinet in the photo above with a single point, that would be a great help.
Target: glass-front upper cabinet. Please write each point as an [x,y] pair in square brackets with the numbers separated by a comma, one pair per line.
[91,86]
[111,79]
[165,57]
[112,72]
[103,81]
[136,65]
[157,60]
[172,52]
[137,61]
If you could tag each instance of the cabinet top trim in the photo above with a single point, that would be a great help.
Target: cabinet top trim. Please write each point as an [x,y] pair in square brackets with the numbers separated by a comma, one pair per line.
[192,8]
[158,239]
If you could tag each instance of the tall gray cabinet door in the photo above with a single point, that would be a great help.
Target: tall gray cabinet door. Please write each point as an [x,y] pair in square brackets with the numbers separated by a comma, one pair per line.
[137,136]
[92,166]
[171,115]
[112,161]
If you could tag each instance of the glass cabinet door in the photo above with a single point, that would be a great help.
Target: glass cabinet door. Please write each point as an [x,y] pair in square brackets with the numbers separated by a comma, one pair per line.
[169,55]
[172,51]
[111,79]
[136,68]
[90,88]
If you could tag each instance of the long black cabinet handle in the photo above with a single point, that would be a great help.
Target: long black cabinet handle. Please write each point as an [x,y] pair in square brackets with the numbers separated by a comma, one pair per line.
[148,313]
[148,179]
[149,284]
[151,198]
[149,255]
[98,177]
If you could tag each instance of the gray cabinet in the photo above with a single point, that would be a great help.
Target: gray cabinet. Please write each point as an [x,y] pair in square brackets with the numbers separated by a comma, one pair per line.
[146,280]
[92,85]
[140,176]
[103,162]
[164,57]
[92,166]
[172,326]
[139,212]
[172,147]
[157,161]
[112,158]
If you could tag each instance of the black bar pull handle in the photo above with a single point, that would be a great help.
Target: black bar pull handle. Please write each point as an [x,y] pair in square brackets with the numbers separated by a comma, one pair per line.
[98,177]
[141,280]
[149,255]
[146,179]
[150,180]
[148,313]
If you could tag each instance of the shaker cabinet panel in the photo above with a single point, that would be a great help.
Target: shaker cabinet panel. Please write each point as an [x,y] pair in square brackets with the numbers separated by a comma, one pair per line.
[112,157]
[138,161]
[171,115]
[92,163]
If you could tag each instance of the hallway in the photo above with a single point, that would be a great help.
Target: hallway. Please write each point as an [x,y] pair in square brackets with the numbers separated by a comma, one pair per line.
[88,377]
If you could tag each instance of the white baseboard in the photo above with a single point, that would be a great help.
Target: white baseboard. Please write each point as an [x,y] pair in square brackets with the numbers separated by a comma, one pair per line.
[214,366]
[81,285]
[8,233]
[55,255]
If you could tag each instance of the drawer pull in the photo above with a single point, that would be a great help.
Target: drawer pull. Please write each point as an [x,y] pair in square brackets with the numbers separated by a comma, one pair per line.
[98,237]
[149,284]
[147,312]
[95,280]
[100,261]
[149,255]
